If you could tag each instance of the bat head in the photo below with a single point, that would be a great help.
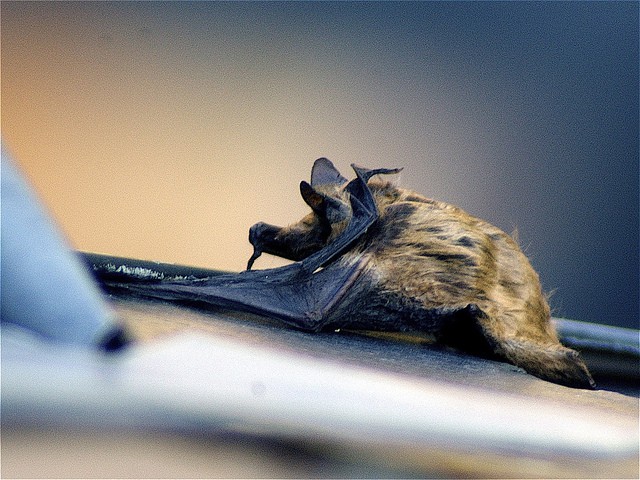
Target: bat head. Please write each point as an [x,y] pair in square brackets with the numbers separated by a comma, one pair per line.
[342,210]
[331,196]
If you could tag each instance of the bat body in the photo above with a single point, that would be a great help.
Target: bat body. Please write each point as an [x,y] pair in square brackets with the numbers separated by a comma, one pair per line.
[374,256]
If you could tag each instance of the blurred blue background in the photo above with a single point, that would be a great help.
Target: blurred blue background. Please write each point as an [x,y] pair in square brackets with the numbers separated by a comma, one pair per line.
[164,130]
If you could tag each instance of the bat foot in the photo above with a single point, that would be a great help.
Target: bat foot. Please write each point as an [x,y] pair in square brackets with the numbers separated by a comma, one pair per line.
[553,363]
[470,329]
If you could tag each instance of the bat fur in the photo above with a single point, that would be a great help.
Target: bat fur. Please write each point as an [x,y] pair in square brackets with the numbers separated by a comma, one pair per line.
[429,266]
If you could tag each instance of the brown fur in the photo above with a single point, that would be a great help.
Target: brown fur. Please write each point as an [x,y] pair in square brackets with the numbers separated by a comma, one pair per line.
[433,267]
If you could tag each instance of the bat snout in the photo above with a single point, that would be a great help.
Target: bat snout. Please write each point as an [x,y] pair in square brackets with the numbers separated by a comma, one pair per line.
[261,236]
[262,233]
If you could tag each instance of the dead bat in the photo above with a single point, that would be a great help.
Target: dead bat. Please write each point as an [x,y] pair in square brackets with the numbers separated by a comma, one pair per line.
[374,256]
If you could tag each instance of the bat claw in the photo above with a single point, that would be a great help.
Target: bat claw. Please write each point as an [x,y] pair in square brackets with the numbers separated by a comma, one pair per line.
[256,232]
[256,254]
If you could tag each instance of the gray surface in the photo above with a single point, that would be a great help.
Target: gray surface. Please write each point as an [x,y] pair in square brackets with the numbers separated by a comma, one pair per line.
[402,354]
[391,407]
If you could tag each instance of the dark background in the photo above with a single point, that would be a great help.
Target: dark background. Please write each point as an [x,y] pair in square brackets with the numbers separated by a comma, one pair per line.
[164,130]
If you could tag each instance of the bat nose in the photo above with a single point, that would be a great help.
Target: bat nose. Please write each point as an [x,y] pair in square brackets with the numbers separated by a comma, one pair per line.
[261,232]
[254,232]
[260,235]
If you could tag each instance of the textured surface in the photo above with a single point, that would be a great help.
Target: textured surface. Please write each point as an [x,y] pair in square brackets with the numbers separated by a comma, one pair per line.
[233,395]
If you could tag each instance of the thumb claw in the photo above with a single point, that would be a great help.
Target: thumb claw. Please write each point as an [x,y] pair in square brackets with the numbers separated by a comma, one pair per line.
[256,254]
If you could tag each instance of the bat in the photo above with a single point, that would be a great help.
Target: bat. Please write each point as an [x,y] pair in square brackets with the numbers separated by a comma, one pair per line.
[373,256]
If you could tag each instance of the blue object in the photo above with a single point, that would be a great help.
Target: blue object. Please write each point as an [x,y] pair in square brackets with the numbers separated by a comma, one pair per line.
[44,287]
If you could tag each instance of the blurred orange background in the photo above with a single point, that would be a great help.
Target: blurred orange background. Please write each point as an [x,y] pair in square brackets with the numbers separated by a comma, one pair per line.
[165,130]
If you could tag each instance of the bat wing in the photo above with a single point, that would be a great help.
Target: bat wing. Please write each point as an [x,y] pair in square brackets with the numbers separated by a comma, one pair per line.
[302,294]
[288,294]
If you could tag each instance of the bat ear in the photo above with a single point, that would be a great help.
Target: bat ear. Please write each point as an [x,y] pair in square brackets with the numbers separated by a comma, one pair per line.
[324,173]
[359,189]
[327,207]
[365,174]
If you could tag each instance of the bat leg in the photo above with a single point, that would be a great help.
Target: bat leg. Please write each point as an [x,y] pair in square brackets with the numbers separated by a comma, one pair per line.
[472,331]
[463,329]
